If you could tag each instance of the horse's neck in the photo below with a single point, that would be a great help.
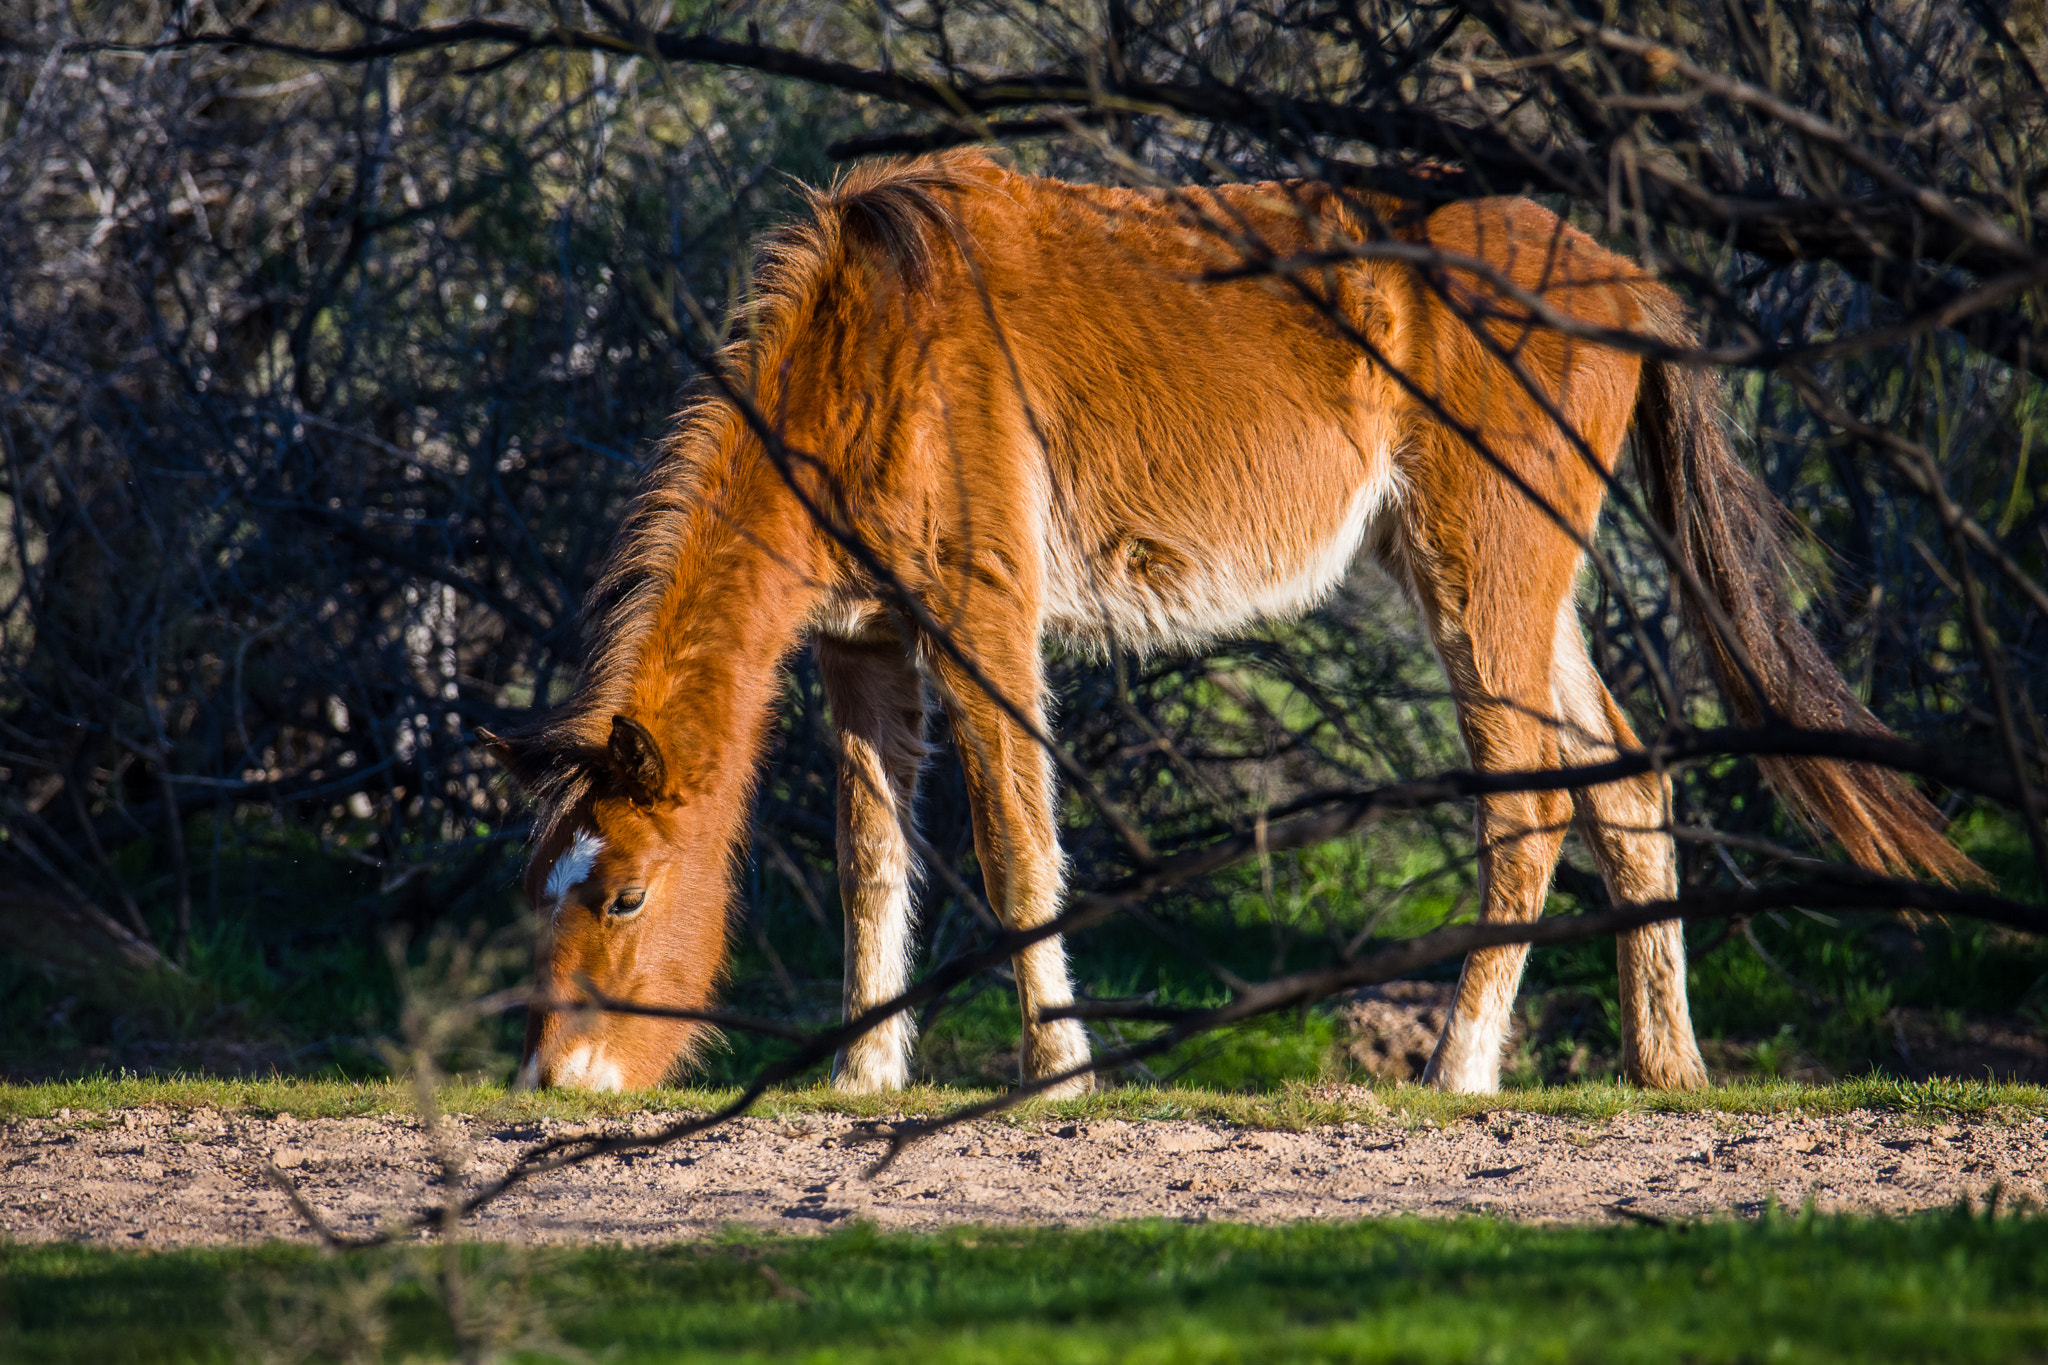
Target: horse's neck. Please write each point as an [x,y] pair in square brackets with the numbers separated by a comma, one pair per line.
[733,581]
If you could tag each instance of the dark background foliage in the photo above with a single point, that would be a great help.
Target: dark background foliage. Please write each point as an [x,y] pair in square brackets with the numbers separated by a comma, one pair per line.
[322,384]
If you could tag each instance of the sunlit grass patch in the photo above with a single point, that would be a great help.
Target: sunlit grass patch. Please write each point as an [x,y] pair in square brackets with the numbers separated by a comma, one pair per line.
[1957,1286]
[1292,1106]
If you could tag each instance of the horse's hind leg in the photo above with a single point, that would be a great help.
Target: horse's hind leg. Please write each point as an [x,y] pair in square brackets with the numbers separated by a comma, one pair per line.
[1489,570]
[1500,677]
[1625,823]
[878,706]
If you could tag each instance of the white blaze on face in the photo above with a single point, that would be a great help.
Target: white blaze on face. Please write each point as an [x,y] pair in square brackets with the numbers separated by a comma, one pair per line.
[584,1068]
[572,867]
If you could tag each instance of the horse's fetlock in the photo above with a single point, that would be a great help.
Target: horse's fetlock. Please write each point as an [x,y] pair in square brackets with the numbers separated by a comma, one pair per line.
[877,1061]
[1052,1049]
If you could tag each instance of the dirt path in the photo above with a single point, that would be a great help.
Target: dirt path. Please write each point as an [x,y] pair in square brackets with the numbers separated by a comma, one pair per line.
[157,1179]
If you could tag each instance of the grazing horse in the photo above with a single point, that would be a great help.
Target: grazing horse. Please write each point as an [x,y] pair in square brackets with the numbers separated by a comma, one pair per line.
[968,407]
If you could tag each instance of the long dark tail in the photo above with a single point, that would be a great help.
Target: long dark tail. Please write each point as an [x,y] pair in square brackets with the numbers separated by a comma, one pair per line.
[1732,534]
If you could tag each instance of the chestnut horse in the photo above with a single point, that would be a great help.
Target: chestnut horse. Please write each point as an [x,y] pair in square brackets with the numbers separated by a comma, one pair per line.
[1052,407]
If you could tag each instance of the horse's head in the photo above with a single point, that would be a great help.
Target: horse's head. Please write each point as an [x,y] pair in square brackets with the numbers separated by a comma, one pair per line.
[631,892]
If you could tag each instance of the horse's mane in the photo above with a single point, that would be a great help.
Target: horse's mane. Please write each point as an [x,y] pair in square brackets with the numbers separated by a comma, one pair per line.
[897,215]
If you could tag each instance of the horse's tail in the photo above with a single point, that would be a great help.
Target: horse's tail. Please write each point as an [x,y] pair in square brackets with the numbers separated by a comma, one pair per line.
[1733,535]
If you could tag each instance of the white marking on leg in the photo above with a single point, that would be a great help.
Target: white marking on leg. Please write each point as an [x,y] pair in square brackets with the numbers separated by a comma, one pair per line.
[879,968]
[1053,1046]
[879,915]
[1467,1060]
[1043,979]
[1577,694]
[1627,825]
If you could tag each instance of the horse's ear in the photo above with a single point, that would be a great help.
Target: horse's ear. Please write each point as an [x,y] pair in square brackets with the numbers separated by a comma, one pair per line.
[638,759]
[508,755]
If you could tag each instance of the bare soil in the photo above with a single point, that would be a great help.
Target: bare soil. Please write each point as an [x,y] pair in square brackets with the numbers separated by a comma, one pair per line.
[155,1178]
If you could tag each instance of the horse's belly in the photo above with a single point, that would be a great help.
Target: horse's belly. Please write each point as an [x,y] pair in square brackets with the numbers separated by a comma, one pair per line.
[1202,571]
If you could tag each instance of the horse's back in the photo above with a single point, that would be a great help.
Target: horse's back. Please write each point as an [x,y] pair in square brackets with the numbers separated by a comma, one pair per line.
[1201,451]
[1193,444]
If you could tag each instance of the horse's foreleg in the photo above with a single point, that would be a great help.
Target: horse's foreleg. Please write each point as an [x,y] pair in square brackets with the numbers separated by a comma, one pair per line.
[1626,824]
[1010,784]
[878,707]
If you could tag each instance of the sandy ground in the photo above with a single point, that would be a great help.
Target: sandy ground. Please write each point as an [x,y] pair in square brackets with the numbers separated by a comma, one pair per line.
[152,1178]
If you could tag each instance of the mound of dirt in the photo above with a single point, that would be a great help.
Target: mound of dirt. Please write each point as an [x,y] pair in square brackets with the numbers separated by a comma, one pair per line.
[157,1179]
[1390,1031]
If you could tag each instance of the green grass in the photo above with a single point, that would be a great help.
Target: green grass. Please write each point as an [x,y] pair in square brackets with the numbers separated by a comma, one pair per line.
[1288,1107]
[1947,1287]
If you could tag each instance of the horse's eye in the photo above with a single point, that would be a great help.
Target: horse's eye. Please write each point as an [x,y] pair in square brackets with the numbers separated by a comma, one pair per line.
[628,902]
